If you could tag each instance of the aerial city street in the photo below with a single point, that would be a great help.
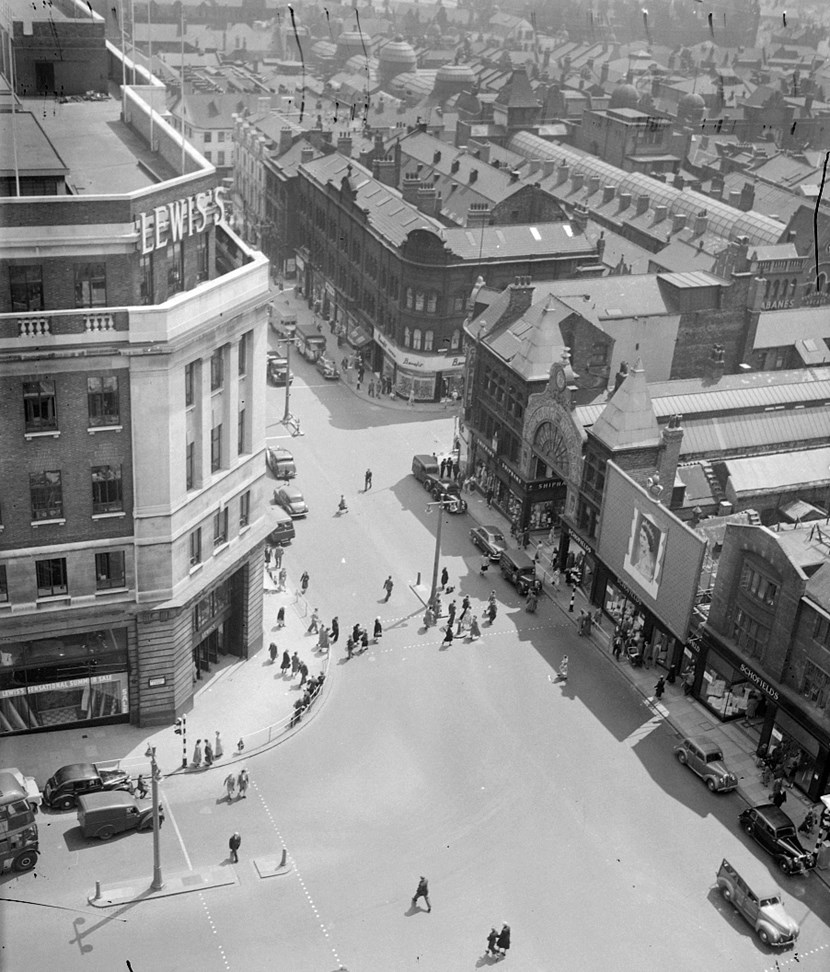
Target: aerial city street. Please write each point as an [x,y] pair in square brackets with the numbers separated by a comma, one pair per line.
[414,532]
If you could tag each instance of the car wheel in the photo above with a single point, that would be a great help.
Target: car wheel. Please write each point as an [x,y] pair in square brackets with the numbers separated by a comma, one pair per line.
[748,829]
[65,803]
[711,784]
[681,758]
[763,934]
[146,824]
[726,892]
[784,864]
[105,833]
[25,860]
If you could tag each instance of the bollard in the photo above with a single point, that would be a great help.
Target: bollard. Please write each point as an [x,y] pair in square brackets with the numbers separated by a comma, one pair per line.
[283,862]
[97,891]
[573,598]
[418,581]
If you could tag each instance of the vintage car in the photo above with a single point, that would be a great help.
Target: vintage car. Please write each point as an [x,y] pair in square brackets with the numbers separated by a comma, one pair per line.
[327,368]
[704,757]
[776,833]
[756,899]
[65,786]
[489,540]
[291,500]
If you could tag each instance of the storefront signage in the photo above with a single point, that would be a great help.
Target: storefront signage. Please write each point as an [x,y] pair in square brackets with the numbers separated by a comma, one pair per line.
[759,682]
[577,539]
[182,217]
[156,681]
[628,592]
[431,363]
[510,473]
[481,444]
[776,305]
[57,686]
[544,484]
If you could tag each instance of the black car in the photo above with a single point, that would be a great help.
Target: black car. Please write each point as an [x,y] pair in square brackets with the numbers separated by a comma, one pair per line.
[776,833]
[438,487]
[69,782]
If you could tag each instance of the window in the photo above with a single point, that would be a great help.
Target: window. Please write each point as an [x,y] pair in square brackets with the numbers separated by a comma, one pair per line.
[196,547]
[244,351]
[208,137]
[145,283]
[26,285]
[216,448]
[107,496]
[220,136]
[240,432]
[220,158]
[459,303]
[51,577]
[39,407]
[821,631]
[244,509]
[410,298]
[4,585]
[217,369]
[455,340]
[419,300]
[190,468]
[758,585]
[815,685]
[189,382]
[91,285]
[175,267]
[102,401]
[202,257]
[109,570]
[416,340]
[47,495]
[749,634]
[208,156]
[429,338]
[407,338]
[432,303]
[220,527]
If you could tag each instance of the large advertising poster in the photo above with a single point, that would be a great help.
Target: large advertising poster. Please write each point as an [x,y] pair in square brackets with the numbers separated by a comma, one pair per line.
[650,550]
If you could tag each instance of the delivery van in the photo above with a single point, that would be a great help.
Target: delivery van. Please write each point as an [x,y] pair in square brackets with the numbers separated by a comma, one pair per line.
[103,815]
[519,569]
[283,527]
[423,466]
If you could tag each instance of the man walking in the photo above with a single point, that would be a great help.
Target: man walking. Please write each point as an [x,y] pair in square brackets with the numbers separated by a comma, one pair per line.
[335,629]
[303,673]
[295,664]
[304,581]
[422,892]
[388,585]
[234,844]
[367,481]
[242,783]
[451,614]
[314,627]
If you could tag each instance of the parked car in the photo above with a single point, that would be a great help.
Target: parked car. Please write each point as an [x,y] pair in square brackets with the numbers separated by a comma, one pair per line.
[776,833]
[451,490]
[489,540]
[756,898]
[423,466]
[283,532]
[103,815]
[291,500]
[704,757]
[280,462]
[327,368]
[519,569]
[28,785]
[277,369]
[69,782]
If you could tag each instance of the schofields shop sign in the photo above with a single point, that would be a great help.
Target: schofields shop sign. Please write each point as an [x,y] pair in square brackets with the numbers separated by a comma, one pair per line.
[174,221]
[759,682]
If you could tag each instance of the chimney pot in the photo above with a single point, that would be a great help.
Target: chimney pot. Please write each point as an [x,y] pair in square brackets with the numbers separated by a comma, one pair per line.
[678,222]
[564,174]
[660,213]
[642,204]
[625,200]
[577,179]
[593,184]
[608,193]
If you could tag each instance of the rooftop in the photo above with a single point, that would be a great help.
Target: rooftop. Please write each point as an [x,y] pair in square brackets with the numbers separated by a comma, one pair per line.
[545,240]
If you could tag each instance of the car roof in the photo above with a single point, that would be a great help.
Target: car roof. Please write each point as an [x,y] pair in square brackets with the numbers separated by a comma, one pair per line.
[491,529]
[773,815]
[704,743]
[10,788]
[291,491]
[76,771]
[106,798]
[280,453]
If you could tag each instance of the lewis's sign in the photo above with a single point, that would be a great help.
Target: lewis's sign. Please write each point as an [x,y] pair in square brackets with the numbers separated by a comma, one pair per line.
[182,217]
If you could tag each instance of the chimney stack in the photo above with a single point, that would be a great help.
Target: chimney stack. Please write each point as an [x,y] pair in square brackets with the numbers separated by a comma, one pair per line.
[344,145]
[548,165]
[747,198]
[701,223]
[660,213]
[669,456]
[577,179]
[564,174]
[642,204]
[608,193]
[678,222]
[520,299]
[625,200]
[715,365]
[593,184]
[307,154]
[286,140]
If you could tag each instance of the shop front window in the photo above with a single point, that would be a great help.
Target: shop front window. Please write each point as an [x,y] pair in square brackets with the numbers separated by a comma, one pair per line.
[60,681]
[815,685]
[725,690]
[792,752]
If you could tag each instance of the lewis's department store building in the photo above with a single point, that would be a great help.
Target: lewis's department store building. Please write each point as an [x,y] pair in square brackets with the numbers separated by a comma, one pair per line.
[132,349]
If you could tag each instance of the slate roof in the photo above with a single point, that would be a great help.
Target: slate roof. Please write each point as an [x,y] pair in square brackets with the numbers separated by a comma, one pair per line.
[777,471]
[627,420]
[515,241]
[214,111]
[777,329]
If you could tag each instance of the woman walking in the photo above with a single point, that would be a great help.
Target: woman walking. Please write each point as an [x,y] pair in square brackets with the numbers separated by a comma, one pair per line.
[230,785]
[475,631]
[197,753]
[378,630]
[285,664]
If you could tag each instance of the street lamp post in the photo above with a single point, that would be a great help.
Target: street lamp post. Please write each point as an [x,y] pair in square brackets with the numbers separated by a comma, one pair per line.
[287,415]
[158,883]
[441,504]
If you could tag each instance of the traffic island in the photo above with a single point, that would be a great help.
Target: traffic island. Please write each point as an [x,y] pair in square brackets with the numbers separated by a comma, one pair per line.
[138,889]
[268,867]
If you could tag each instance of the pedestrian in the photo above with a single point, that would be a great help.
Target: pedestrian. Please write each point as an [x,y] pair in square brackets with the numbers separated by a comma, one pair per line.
[489,495]
[616,650]
[342,506]
[267,557]
[335,629]
[485,564]
[230,785]
[304,581]
[422,892]
[218,748]
[323,639]
[242,783]
[448,636]
[563,669]
[779,797]
[197,753]
[445,578]
[278,556]
[295,664]
[367,480]
[387,586]
[314,627]
[140,787]
[273,651]
[283,577]
[659,688]
[491,612]
[208,753]
[451,614]
[356,633]
[503,941]
[371,388]
[411,399]
[377,634]
[303,673]
[538,555]
[491,942]
[455,470]
[475,630]
[234,844]
[364,639]
[349,647]
[556,578]
[285,664]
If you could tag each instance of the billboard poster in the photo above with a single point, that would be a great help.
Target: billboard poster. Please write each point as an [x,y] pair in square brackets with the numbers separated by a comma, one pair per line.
[646,551]
[650,550]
